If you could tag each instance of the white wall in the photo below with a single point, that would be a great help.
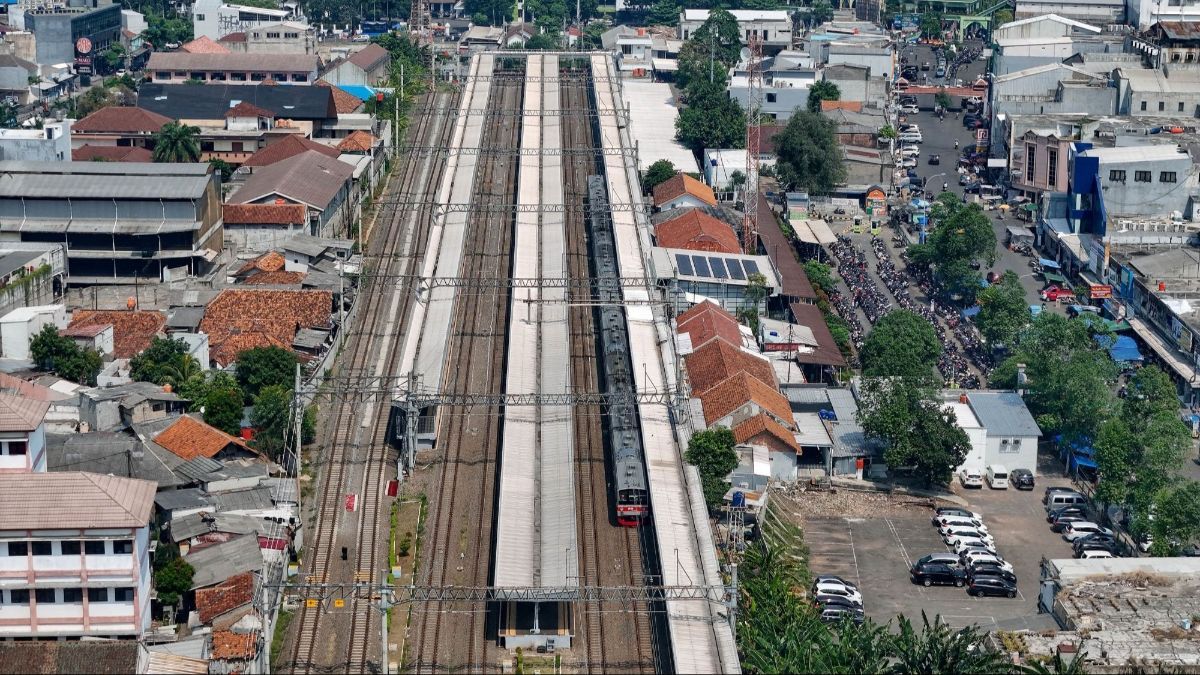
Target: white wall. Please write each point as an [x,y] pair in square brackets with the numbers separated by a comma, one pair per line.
[15,335]
[1024,457]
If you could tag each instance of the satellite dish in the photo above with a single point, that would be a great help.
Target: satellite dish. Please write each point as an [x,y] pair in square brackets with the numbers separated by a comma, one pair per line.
[745,53]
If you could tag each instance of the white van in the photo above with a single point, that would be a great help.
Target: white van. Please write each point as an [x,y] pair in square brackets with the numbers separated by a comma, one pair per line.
[1057,500]
[997,477]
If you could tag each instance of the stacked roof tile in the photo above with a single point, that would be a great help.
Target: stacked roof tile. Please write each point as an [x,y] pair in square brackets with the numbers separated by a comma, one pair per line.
[289,146]
[345,102]
[760,424]
[121,119]
[241,319]
[681,184]
[357,141]
[718,360]
[740,389]
[226,596]
[132,330]
[21,414]
[111,153]
[264,214]
[231,646]
[697,231]
[707,320]
[45,501]
[190,438]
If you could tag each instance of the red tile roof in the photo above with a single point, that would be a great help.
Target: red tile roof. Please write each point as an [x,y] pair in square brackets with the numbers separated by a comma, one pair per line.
[204,45]
[247,109]
[190,438]
[226,596]
[228,645]
[233,37]
[84,331]
[241,319]
[280,278]
[100,153]
[827,352]
[791,273]
[121,119]
[290,146]
[358,141]
[718,360]
[264,214]
[681,184]
[697,231]
[132,330]
[343,101]
[736,391]
[706,321]
[369,57]
[760,424]
[271,261]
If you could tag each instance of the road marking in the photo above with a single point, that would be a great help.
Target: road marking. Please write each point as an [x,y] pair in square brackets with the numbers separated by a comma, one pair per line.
[899,542]
[854,554]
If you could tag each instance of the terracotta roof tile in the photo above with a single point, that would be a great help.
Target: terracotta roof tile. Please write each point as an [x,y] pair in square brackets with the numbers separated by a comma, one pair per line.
[764,424]
[203,45]
[241,319]
[697,231]
[271,261]
[228,645]
[711,364]
[369,57]
[827,352]
[264,214]
[358,141]
[239,36]
[132,330]
[18,413]
[121,119]
[14,385]
[226,596]
[51,657]
[343,101]
[736,391]
[706,321]
[100,153]
[247,109]
[37,501]
[278,278]
[681,184]
[190,438]
[290,146]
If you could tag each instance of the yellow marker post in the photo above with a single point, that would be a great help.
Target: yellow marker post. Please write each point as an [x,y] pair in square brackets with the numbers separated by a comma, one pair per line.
[311,603]
[339,603]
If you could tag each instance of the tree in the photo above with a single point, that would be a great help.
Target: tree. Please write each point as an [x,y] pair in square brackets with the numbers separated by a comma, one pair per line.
[544,41]
[114,57]
[1177,519]
[218,395]
[490,12]
[821,275]
[711,452]
[942,99]
[161,31]
[922,436]
[931,25]
[1003,312]
[1149,392]
[809,155]
[658,172]
[664,13]
[889,132]
[718,122]
[1002,16]
[822,91]
[173,580]
[962,239]
[177,142]
[820,12]
[225,168]
[271,418]
[162,362]
[901,344]
[58,354]
[938,648]
[263,367]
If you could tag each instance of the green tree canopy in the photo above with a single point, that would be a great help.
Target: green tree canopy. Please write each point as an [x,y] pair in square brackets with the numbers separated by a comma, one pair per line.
[270,419]
[658,172]
[177,142]
[822,91]
[664,13]
[58,354]
[931,25]
[1177,519]
[901,344]
[820,12]
[165,361]
[718,122]
[1003,312]
[1002,16]
[711,452]
[809,156]
[264,367]
[942,98]
[161,31]
[493,12]
[921,435]
[218,395]
[821,275]
[963,235]
[173,580]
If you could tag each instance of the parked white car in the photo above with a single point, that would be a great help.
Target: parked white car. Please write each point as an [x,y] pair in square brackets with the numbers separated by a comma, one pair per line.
[973,557]
[910,151]
[910,109]
[947,522]
[1092,555]
[833,588]
[961,545]
[971,478]
[1083,528]
[954,534]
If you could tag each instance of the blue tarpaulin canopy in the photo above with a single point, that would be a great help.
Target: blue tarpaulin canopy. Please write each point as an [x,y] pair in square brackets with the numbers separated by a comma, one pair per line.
[363,92]
[1035,309]
[971,311]
[1122,348]
[1048,264]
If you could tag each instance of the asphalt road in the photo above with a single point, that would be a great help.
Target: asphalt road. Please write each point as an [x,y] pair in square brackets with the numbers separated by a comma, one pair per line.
[918,54]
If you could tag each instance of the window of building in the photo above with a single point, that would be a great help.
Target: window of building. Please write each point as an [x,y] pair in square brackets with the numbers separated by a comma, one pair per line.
[18,548]
[18,597]
[197,75]
[1181,106]
[1141,176]
[1010,445]
[14,448]
[1116,175]
[292,36]
[162,75]
[199,17]
[1162,105]
[1166,177]
[1030,150]
[1143,106]
[42,548]
[771,98]
[1051,166]
[124,594]
[259,77]
[93,547]
[237,77]
[97,595]
[180,73]
[217,77]
[299,77]
[205,146]
[45,596]
[70,547]
[123,546]
[272,36]
[72,595]
[279,77]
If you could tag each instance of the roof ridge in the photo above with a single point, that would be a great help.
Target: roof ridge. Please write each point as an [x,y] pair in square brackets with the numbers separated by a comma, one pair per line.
[105,489]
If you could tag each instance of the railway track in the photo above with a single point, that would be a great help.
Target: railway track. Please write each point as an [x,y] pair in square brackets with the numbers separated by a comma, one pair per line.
[452,637]
[356,447]
[616,639]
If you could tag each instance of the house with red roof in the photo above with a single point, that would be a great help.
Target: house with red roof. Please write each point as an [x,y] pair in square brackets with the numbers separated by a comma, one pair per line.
[117,127]
[261,227]
[683,191]
[366,67]
[695,230]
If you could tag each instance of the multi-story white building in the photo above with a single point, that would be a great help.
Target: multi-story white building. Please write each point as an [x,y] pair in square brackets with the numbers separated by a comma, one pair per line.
[773,27]
[22,435]
[216,19]
[51,143]
[74,555]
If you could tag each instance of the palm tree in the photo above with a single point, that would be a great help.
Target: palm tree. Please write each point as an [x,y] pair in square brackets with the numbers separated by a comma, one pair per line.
[938,648]
[176,142]
[183,369]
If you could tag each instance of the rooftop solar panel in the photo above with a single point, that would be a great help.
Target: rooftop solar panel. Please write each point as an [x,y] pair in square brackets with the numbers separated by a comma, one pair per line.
[751,267]
[735,269]
[701,264]
[718,268]
[685,264]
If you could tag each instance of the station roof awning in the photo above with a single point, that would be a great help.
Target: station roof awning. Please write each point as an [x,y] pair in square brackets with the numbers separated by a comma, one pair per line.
[813,232]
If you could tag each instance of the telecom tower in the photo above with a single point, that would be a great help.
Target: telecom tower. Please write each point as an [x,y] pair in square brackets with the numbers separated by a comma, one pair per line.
[420,26]
[753,56]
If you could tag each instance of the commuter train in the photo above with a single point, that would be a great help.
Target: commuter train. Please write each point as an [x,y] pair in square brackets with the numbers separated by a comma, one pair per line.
[628,486]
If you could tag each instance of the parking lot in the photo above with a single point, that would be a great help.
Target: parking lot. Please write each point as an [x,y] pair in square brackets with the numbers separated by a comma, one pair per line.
[876,552]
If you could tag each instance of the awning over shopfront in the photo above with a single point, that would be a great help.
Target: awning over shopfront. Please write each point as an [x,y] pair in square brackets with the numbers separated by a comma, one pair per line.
[1169,354]
[813,232]
[1055,278]
[1122,348]
[1049,264]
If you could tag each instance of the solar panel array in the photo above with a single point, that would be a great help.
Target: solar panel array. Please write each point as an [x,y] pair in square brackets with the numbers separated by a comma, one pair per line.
[715,267]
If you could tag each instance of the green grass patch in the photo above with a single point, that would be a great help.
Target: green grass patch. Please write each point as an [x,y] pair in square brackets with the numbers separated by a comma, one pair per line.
[281,629]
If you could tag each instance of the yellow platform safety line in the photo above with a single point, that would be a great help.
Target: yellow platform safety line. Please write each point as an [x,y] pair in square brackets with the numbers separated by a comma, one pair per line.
[339,602]
[311,603]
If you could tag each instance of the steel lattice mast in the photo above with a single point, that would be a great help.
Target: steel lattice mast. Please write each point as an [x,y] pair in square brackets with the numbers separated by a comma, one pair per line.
[753,136]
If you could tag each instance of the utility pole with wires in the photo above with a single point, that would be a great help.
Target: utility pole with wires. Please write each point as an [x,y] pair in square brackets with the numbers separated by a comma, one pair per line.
[753,55]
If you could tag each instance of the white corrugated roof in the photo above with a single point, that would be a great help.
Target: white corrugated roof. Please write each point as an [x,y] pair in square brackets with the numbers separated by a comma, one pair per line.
[652,113]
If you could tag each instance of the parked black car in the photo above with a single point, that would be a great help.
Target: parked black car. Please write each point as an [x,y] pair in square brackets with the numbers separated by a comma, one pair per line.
[931,573]
[823,600]
[1072,510]
[935,159]
[991,585]
[1061,522]
[1096,542]
[1021,479]
[984,570]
